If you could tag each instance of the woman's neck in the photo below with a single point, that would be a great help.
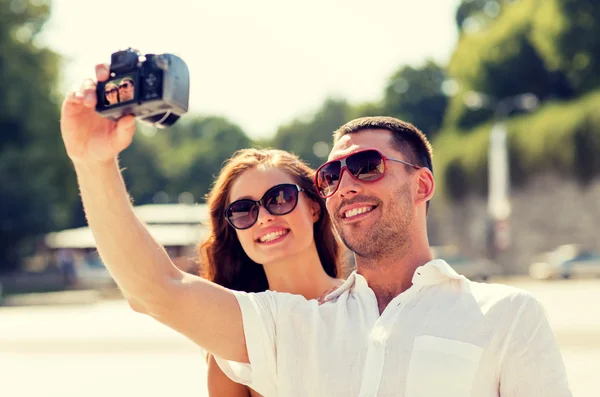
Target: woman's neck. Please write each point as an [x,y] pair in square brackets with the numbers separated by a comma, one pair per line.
[301,274]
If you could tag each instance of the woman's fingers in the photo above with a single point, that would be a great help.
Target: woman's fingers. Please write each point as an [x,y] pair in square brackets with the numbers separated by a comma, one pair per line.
[88,89]
[72,104]
[102,72]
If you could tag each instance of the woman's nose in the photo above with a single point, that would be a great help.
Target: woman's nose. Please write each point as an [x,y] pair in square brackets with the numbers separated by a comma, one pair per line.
[264,216]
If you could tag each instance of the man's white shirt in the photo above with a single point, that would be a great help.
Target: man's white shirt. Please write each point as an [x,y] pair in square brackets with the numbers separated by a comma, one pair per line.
[444,336]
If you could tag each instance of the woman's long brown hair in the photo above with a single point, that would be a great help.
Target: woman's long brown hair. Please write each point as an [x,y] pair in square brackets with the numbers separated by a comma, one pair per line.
[223,259]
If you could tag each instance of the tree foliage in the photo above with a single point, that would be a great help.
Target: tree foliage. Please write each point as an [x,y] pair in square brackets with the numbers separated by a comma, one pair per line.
[500,61]
[475,14]
[36,194]
[567,34]
[417,96]
[550,48]
[182,159]
[311,139]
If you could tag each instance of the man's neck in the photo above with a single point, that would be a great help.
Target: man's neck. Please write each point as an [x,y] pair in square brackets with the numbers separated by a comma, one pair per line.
[390,276]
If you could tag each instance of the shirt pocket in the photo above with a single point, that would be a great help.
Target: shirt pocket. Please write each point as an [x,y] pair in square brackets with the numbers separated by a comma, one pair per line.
[442,367]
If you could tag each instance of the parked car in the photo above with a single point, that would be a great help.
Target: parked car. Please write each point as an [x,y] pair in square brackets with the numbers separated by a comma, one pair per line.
[476,269]
[566,261]
[177,227]
[479,269]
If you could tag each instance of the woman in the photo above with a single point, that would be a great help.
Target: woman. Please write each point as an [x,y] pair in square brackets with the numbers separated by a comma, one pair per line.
[111,93]
[269,230]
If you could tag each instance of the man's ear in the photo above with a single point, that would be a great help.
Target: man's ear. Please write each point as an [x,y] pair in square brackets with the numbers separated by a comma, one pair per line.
[425,185]
[316,211]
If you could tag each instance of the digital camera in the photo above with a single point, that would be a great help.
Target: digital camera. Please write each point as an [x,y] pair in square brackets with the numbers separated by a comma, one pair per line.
[153,88]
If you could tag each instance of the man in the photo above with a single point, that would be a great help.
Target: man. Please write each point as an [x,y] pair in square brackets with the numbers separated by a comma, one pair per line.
[126,90]
[403,324]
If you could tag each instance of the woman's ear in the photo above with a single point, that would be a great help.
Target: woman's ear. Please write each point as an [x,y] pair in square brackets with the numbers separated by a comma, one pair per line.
[316,211]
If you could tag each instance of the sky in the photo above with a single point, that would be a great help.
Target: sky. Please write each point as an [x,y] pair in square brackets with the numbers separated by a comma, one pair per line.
[260,63]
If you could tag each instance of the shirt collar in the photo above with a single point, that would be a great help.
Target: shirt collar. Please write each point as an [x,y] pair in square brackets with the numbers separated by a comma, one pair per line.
[433,272]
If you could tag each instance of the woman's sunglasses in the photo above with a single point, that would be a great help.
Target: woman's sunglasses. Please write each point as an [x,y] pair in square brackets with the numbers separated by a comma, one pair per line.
[278,200]
[366,165]
[111,91]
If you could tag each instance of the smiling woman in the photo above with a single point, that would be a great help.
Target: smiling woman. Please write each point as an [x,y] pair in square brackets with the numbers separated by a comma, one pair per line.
[261,194]
[268,230]
[111,94]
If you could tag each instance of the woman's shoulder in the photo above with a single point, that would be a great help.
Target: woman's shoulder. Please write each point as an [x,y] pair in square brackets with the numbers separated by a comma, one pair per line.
[337,283]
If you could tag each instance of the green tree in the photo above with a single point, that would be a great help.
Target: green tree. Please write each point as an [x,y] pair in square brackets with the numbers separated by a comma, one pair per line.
[311,139]
[417,96]
[189,155]
[142,172]
[366,109]
[476,14]
[586,142]
[501,61]
[567,33]
[38,192]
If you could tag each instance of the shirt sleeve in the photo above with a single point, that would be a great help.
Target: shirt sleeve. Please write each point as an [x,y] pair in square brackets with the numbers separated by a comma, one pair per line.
[532,365]
[259,322]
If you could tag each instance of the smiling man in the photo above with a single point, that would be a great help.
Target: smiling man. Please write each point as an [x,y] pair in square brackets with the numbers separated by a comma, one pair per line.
[126,89]
[380,179]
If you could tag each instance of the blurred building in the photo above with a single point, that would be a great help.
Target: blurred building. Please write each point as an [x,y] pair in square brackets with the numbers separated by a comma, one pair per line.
[177,227]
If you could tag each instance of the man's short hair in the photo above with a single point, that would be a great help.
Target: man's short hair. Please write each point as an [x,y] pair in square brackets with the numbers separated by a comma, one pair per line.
[406,138]
[130,81]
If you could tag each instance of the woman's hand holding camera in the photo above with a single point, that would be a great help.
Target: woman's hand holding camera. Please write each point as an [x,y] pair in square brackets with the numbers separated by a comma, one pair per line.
[89,138]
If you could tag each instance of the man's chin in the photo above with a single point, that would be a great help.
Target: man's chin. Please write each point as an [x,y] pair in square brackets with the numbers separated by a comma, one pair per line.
[355,244]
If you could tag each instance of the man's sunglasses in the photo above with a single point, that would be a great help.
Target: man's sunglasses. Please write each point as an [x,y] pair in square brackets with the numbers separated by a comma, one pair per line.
[278,200]
[366,165]
[125,85]
[111,91]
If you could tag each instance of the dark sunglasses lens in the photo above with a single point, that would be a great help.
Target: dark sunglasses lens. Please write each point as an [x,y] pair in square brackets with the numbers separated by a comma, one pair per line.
[281,200]
[328,178]
[366,166]
[242,214]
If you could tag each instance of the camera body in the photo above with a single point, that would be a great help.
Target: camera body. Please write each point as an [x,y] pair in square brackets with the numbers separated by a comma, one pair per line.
[153,88]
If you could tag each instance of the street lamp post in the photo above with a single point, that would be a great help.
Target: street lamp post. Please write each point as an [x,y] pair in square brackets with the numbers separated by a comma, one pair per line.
[499,207]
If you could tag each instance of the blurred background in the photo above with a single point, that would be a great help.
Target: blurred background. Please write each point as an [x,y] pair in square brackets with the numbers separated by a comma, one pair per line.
[506,90]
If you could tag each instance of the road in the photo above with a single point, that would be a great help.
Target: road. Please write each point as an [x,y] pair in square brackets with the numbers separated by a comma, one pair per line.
[103,348]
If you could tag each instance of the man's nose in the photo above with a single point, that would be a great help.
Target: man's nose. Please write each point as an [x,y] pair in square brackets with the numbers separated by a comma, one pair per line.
[348,185]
